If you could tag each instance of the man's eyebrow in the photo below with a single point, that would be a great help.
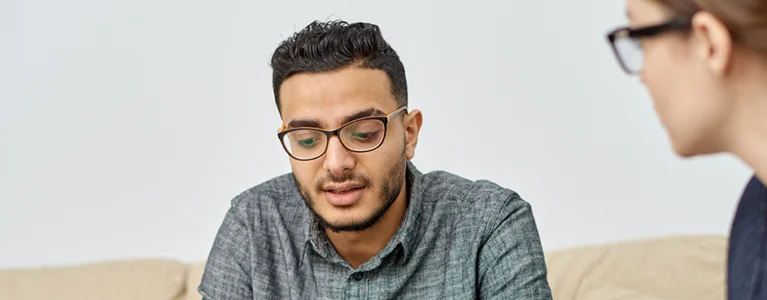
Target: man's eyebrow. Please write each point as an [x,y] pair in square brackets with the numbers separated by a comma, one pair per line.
[306,123]
[362,114]
[319,124]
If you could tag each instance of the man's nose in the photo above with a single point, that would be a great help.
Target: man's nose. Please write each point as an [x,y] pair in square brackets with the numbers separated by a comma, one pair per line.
[338,159]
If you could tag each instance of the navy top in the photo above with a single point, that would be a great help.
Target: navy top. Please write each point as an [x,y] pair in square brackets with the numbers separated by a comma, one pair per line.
[748,237]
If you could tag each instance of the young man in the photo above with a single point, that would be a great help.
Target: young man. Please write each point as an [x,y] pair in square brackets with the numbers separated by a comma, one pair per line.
[355,218]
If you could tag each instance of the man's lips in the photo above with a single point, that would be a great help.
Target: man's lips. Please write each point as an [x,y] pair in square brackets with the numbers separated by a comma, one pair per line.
[343,194]
[342,188]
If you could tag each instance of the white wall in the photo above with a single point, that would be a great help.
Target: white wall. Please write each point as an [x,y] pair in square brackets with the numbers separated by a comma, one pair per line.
[126,127]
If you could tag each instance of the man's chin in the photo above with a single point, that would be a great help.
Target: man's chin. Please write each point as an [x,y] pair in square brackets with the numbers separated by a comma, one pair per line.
[347,226]
[347,219]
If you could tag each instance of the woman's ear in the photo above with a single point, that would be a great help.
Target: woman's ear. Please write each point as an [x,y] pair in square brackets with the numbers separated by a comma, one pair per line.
[712,42]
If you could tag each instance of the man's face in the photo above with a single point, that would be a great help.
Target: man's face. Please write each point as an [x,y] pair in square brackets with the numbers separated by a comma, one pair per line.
[348,190]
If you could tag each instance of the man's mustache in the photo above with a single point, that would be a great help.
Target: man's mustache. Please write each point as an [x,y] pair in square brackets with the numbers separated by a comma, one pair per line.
[346,177]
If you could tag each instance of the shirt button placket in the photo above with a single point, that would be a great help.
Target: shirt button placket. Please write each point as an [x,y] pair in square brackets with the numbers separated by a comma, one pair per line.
[355,287]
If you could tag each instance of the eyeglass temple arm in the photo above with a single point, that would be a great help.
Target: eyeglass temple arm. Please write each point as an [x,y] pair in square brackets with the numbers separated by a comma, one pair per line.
[394,113]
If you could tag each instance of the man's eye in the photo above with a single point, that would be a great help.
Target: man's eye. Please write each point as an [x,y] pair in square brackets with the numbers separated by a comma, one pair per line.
[364,135]
[306,142]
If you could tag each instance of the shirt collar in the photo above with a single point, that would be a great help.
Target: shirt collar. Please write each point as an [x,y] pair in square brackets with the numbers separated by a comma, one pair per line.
[315,238]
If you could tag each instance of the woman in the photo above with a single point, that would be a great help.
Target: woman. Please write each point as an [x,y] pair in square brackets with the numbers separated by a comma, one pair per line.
[704,63]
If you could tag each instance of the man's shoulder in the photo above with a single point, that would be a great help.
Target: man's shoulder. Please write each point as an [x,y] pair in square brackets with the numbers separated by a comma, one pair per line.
[277,192]
[443,185]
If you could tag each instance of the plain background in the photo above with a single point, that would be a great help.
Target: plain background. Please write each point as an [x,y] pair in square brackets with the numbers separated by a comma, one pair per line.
[127,126]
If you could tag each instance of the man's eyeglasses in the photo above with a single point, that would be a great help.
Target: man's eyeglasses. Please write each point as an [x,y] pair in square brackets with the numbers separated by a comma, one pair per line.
[361,135]
[625,42]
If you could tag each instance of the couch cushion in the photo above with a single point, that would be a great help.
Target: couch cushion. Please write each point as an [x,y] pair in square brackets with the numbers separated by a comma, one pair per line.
[671,267]
[598,290]
[194,276]
[117,280]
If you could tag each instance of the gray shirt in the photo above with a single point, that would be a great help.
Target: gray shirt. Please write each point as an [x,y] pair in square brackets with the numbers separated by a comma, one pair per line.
[459,239]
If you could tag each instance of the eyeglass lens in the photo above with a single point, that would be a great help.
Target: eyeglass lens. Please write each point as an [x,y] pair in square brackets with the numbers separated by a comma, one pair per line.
[630,53]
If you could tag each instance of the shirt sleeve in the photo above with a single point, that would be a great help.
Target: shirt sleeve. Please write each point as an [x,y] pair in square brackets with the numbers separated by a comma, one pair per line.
[227,271]
[511,262]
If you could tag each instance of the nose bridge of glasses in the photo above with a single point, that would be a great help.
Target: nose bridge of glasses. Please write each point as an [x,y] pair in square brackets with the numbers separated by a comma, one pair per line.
[333,134]
[342,138]
[335,148]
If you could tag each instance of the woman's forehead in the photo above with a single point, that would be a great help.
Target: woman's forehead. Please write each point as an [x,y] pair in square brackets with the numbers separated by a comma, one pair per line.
[645,12]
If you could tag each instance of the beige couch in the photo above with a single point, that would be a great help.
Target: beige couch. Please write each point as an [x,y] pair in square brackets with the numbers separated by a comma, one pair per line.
[663,268]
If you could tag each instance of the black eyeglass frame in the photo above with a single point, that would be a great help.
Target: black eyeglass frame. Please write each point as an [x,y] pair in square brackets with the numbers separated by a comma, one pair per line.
[678,23]
[330,133]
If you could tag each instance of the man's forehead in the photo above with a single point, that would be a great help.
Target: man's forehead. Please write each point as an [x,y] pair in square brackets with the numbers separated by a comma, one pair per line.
[333,106]
[335,87]
[333,98]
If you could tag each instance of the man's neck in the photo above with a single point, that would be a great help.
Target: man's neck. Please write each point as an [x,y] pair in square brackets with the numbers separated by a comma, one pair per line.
[358,247]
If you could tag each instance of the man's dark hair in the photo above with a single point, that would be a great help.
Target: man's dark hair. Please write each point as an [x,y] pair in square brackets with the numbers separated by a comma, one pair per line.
[332,45]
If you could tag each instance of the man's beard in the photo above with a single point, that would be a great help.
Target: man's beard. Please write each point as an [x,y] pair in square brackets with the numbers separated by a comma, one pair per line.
[390,190]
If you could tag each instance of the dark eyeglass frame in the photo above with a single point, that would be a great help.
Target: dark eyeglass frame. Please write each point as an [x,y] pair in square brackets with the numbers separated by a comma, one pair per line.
[330,133]
[678,23]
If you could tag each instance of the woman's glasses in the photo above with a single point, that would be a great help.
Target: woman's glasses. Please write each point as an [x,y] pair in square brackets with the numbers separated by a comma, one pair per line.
[626,46]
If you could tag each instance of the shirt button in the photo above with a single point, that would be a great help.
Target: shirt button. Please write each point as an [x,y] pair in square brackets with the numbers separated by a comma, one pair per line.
[357,276]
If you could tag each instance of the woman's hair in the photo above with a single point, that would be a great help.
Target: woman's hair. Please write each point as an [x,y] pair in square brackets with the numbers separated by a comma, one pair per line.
[745,19]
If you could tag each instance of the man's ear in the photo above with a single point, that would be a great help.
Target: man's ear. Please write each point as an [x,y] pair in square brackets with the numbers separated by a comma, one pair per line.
[712,42]
[412,122]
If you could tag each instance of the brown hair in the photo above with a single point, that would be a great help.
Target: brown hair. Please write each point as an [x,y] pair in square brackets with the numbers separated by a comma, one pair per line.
[746,19]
